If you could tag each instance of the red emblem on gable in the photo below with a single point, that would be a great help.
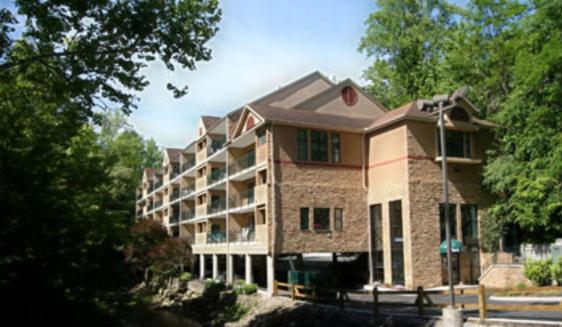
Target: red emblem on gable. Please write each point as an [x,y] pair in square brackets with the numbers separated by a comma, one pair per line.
[249,123]
[349,95]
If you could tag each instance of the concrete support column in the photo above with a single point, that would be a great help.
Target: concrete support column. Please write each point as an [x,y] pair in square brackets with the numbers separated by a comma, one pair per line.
[248,267]
[229,269]
[215,266]
[201,266]
[270,264]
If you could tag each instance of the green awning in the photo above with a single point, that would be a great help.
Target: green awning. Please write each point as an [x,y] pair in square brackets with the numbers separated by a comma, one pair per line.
[456,246]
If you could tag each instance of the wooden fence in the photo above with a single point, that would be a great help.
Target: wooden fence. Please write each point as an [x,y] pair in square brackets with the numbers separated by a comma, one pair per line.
[423,300]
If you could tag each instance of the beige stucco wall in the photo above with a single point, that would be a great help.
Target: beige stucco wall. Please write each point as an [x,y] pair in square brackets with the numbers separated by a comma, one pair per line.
[388,181]
[319,185]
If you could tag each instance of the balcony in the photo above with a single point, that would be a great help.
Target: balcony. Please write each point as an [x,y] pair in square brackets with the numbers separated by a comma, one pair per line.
[187,215]
[150,206]
[175,195]
[243,199]
[139,196]
[216,206]
[216,145]
[187,190]
[190,163]
[139,212]
[174,218]
[216,237]
[216,176]
[247,234]
[174,174]
[150,188]
[157,204]
[242,163]
[157,185]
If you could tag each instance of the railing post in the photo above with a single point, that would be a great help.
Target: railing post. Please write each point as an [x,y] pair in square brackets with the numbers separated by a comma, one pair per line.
[293,292]
[375,301]
[420,301]
[482,302]
[275,287]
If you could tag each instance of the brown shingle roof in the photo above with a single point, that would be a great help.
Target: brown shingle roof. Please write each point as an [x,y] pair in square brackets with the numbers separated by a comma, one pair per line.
[209,121]
[409,110]
[310,118]
[173,154]
[149,172]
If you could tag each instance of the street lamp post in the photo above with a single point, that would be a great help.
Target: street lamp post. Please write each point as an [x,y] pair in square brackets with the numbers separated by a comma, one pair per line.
[446,201]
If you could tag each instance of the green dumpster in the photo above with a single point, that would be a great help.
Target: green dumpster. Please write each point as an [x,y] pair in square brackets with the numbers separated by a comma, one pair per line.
[310,278]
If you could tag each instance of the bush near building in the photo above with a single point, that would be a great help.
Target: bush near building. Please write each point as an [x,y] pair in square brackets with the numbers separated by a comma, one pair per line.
[539,272]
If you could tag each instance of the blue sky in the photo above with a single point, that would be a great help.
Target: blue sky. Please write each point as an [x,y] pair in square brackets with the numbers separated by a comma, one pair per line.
[261,45]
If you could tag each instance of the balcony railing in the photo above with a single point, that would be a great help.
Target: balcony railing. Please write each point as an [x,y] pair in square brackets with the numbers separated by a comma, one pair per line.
[139,196]
[216,206]
[175,218]
[157,185]
[245,198]
[216,145]
[150,206]
[174,174]
[187,190]
[216,175]
[247,234]
[157,204]
[244,162]
[150,188]
[190,163]
[187,215]
[216,237]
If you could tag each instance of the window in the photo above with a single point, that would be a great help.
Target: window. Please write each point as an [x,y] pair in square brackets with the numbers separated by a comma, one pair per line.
[469,225]
[336,154]
[302,144]
[452,219]
[319,146]
[396,241]
[338,219]
[304,219]
[262,137]
[457,144]
[321,218]
[376,242]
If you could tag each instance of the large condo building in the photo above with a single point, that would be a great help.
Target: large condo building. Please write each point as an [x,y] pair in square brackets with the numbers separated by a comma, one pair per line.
[320,167]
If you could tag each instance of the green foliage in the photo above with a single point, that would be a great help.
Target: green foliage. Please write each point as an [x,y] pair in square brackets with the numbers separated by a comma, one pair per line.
[556,271]
[185,277]
[234,312]
[538,272]
[490,233]
[241,287]
[66,185]
[214,284]
[406,39]
[171,256]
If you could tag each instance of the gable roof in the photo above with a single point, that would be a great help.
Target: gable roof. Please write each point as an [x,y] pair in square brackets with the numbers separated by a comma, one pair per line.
[173,154]
[310,118]
[324,96]
[149,172]
[210,121]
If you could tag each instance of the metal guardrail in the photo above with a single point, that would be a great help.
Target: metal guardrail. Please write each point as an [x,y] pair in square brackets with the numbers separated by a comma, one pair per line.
[217,206]
[216,175]
[216,145]
[216,237]
[244,198]
[245,235]
[157,204]
[188,165]
[187,215]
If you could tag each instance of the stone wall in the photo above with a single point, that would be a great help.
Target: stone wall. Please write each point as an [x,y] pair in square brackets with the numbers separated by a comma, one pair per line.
[504,276]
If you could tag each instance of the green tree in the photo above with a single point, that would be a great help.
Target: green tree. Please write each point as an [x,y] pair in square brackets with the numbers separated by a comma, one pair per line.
[64,223]
[526,170]
[407,40]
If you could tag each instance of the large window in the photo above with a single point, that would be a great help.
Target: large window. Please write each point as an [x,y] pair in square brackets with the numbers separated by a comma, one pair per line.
[319,145]
[336,154]
[302,144]
[304,219]
[469,225]
[452,219]
[376,242]
[321,218]
[397,241]
[458,144]
[338,219]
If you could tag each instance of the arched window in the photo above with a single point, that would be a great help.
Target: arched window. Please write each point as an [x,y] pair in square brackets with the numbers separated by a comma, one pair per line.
[459,114]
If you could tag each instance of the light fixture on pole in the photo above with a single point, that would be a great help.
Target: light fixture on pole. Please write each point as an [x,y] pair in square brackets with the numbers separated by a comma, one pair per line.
[440,100]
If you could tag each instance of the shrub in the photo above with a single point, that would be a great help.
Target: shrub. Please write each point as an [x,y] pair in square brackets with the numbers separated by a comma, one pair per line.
[250,289]
[214,284]
[538,272]
[185,277]
[556,271]
[171,256]
[145,235]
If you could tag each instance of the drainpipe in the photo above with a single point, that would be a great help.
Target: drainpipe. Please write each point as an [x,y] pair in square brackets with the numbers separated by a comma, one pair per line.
[364,180]
[273,202]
